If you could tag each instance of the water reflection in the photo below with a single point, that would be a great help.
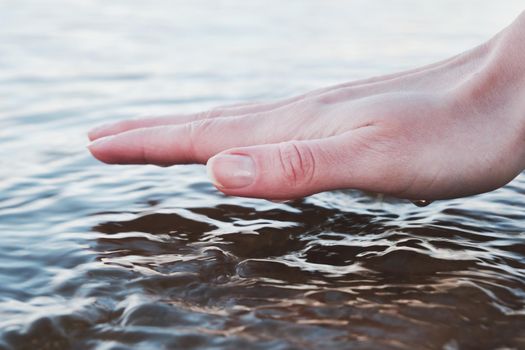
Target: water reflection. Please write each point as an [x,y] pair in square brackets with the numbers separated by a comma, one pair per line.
[312,275]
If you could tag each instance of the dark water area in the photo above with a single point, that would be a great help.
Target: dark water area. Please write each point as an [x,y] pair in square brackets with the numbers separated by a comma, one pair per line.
[131,257]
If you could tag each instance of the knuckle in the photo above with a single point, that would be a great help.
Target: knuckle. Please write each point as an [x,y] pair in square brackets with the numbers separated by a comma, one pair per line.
[197,131]
[297,163]
[326,99]
[210,113]
[199,127]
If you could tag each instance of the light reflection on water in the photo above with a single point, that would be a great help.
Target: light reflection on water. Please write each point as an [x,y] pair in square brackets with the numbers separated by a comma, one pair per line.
[103,257]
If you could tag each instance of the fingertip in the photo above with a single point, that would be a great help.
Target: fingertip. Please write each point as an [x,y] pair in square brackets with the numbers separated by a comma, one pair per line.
[99,132]
[100,150]
[210,173]
[231,171]
[92,135]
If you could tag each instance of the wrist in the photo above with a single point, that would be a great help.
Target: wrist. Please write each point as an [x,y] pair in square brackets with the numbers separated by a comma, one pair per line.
[496,77]
[491,89]
[509,49]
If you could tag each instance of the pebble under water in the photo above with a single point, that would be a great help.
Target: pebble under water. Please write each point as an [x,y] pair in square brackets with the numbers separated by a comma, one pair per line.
[139,257]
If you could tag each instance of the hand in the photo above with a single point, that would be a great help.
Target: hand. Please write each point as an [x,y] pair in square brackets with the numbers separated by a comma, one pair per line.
[450,129]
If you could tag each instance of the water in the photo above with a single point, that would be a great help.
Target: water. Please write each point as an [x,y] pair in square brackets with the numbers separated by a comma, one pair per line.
[100,257]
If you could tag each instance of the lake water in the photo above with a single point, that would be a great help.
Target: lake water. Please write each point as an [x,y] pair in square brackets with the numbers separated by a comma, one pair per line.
[139,257]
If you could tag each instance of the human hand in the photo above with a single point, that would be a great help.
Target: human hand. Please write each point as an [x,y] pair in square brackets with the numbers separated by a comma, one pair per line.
[447,130]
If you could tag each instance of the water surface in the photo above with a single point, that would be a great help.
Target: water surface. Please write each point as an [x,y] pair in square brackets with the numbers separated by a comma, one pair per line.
[130,257]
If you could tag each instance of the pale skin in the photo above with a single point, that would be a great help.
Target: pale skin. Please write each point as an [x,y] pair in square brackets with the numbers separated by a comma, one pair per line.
[455,128]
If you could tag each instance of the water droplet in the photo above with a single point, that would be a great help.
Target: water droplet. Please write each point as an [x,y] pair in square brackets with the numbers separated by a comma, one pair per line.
[279,201]
[421,202]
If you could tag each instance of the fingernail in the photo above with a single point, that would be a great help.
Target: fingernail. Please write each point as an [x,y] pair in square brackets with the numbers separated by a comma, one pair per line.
[100,142]
[231,171]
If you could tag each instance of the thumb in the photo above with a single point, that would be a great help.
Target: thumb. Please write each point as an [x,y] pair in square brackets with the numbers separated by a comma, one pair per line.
[290,169]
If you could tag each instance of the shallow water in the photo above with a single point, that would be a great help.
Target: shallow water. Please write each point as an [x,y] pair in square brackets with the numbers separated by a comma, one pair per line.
[101,257]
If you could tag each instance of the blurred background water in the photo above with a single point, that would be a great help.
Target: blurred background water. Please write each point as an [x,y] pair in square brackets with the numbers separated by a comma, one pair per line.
[138,257]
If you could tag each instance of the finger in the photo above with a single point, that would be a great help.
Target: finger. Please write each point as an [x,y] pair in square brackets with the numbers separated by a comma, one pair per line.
[193,142]
[117,127]
[227,111]
[299,168]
